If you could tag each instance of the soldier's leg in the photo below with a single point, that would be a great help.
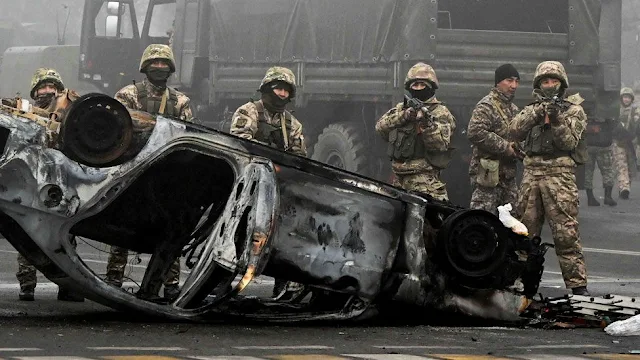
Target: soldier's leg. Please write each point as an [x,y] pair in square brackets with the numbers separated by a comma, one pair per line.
[560,197]
[484,198]
[589,169]
[620,161]
[427,183]
[530,207]
[116,264]
[27,278]
[605,164]
[509,193]
[171,284]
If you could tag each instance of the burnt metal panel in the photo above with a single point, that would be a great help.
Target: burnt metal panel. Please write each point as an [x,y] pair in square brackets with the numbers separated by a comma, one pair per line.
[333,234]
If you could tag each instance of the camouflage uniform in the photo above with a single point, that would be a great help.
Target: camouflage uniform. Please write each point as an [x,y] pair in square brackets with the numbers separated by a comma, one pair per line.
[599,135]
[624,147]
[149,97]
[602,157]
[488,132]
[420,170]
[254,122]
[26,274]
[549,185]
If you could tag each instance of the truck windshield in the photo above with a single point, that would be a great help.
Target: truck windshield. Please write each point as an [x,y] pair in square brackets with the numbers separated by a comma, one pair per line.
[161,23]
[114,19]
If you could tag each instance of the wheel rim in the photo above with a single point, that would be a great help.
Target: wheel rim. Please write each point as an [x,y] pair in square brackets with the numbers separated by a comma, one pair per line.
[334,159]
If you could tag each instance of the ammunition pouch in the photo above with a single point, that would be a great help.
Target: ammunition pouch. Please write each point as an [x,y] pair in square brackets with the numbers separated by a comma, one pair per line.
[579,154]
[151,104]
[539,141]
[488,173]
[271,134]
[406,144]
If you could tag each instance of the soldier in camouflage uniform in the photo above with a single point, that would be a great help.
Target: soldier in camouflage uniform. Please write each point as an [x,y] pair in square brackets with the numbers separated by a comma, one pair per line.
[552,128]
[46,87]
[153,96]
[266,120]
[599,135]
[623,145]
[419,139]
[494,153]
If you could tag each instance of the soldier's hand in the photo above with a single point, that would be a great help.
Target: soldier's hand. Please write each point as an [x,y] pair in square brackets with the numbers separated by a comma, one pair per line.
[410,114]
[552,110]
[511,151]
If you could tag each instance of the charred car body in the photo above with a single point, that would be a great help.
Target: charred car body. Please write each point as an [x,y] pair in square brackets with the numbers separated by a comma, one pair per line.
[237,209]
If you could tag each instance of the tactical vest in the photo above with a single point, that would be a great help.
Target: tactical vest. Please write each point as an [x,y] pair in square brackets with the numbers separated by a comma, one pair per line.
[271,134]
[539,142]
[599,133]
[151,104]
[405,143]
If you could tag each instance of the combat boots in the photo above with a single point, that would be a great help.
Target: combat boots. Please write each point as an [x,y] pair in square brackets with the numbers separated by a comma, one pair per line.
[608,200]
[624,194]
[26,294]
[591,200]
[580,290]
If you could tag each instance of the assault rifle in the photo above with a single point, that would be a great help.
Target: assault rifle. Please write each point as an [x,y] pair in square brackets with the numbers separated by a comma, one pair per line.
[419,105]
[555,100]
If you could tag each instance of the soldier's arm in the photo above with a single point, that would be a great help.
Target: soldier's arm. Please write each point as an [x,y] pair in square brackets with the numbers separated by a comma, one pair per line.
[568,132]
[296,139]
[244,122]
[390,120]
[127,96]
[524,121]
[479,132]
[185,111]
[437,135]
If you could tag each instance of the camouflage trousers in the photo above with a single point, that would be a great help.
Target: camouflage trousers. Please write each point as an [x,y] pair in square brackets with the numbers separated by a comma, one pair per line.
[489,198]
[602,157]
[426,182]
[621,162]
[555,197]
[26,274]
[118,257]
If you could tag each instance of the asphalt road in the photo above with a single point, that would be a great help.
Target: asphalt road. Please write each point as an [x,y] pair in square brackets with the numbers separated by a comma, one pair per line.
[47,328]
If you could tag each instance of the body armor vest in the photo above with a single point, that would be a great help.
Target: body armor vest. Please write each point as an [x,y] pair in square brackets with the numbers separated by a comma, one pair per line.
[599,133]
[272,134]
[151,104]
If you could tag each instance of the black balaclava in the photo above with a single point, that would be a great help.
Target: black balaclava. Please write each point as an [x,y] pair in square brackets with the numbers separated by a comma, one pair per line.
[158,76]
[273,102]
[424,94]
[43,101]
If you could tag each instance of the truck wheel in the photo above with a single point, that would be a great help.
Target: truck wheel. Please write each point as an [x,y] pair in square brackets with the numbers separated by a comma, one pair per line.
[341,145]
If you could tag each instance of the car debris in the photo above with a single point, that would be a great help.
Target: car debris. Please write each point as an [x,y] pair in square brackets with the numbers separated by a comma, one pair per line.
[237,209]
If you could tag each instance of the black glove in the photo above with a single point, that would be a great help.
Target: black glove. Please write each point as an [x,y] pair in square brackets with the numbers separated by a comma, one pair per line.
[552,111]
[410,114]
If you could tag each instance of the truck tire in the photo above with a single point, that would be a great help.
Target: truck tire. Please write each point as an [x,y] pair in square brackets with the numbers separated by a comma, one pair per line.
[341,145]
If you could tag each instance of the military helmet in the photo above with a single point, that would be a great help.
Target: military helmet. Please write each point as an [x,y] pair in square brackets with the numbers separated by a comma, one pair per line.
[44,75]
[278,73]
[627,91]
[551,69]
[157,52]
[421,71]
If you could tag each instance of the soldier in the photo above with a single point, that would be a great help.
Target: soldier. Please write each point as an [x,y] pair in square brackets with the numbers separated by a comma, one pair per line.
[495,155]
[419,139]
[50,95]
[552,128]
[599,135]
[263,120]
[152,95]
[268,122]
[623,148]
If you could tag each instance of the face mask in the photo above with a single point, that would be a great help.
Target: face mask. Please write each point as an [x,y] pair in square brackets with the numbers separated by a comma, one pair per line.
[422,95]
[44,100]
[273,102]
[158,76]
[550,91]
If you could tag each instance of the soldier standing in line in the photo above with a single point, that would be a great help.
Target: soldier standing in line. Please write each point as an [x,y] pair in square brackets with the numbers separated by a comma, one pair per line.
[152,95]
[47,90]
[623,147]
[495,154]
[599,135]
[552,128]
[419,137]
[267,121]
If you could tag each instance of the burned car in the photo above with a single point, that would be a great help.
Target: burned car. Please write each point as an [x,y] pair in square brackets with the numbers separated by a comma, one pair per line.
[236,209]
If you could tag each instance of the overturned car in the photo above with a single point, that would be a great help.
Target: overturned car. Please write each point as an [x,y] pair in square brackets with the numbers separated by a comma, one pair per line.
[235,210]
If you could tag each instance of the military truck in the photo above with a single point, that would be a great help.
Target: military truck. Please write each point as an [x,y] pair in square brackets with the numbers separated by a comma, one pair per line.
[350,58]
